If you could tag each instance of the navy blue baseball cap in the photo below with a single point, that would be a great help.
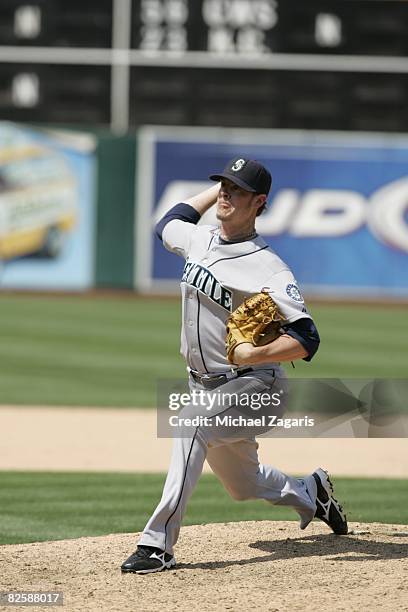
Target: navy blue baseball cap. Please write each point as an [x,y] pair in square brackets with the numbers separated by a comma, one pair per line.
[247,174]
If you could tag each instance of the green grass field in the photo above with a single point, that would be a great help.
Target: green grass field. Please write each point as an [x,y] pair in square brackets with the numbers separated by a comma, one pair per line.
[51,506]
[111,351]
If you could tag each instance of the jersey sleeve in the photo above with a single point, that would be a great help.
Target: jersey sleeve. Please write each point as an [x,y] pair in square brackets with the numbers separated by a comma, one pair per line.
[285,292]
[305,332]
[177,237]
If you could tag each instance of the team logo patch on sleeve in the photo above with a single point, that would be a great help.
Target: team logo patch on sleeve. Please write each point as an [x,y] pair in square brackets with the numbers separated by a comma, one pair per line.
[294,293]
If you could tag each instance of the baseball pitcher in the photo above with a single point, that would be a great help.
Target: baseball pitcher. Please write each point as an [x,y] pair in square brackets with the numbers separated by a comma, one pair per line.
[243,315]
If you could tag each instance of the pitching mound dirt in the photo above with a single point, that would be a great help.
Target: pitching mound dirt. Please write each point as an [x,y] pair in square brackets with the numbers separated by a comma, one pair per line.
[231,566]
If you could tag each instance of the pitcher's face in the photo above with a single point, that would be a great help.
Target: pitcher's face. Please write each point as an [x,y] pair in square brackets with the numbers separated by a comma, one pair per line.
[236,204]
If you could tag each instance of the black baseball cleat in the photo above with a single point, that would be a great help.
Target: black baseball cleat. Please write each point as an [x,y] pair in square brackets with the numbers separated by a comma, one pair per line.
[146,560]
[328,508]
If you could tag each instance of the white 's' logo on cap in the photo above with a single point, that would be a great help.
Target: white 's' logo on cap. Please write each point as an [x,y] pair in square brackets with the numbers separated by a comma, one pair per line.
[240,163]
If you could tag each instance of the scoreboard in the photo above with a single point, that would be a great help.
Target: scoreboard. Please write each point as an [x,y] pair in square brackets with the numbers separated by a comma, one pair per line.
[271,26]
[249,63]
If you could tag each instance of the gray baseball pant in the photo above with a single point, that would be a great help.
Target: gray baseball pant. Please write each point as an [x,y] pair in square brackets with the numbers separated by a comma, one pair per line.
[233,460]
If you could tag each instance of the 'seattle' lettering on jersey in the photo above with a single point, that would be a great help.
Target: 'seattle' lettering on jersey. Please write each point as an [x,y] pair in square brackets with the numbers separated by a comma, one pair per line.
[217,278]
[201,278]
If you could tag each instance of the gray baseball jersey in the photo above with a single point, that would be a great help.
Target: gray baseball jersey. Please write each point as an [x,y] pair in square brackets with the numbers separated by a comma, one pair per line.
[217,278]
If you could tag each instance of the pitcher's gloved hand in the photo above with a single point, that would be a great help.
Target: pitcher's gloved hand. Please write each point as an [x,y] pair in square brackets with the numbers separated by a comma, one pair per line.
[257,320]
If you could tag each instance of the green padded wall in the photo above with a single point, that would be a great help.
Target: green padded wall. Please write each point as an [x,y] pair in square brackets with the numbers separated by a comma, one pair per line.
[115,223]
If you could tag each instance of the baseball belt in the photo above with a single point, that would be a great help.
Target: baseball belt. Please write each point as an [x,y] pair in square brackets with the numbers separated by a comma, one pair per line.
[211,379]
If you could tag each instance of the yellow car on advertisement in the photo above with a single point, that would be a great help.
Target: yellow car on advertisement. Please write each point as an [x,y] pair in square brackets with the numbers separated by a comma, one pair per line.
[38,199]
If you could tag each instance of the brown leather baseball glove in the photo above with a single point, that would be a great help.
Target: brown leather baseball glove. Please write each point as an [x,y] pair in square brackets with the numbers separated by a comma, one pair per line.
[257,320]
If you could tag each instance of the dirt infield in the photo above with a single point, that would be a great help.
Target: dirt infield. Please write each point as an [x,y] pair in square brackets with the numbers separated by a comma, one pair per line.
[123,440]
[264,565]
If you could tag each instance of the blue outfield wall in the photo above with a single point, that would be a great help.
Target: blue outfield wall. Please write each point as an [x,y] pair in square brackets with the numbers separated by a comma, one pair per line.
[337,214]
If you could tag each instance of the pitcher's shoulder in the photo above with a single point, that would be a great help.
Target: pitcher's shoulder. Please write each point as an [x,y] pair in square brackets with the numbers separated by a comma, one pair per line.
[269,258]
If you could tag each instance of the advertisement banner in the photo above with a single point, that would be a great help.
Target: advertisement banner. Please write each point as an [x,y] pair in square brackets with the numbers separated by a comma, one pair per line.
[337,212]
[47,182]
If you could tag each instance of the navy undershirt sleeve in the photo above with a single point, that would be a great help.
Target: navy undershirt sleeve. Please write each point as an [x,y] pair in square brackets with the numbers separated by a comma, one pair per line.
[181,211]
[304,331]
